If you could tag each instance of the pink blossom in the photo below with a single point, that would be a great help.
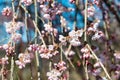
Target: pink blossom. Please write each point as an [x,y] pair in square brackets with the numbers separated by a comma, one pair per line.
[62,38]
[46,16]
[51,47]
[9,27]
[117,55]
[53,74]
[97,64]
[19,25]
[44,8]
[16,37]
[72,33]
[6,11]
[96,72]
[61,66]
[96,2]
[4,60]
[20,64]
[76,34]
[85,50]
[79,33]
[33,47]
[97,35]
[70,53]
[12,27]
[46,55]
[72,1]
[90,11]
[27,2]
[55,52]
[75,42]
[5,46]
[87,56]
[24,58]
[48,27]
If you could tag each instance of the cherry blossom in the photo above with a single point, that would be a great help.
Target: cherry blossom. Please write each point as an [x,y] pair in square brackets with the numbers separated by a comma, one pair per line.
[16,37]
[24,58]
[27,2]
[53,74]
[6,11]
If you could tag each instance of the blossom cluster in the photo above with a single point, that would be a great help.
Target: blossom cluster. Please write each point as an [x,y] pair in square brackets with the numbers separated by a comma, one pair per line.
[24,58]
[44,52]
[56,73]
[72,38]
[70,46]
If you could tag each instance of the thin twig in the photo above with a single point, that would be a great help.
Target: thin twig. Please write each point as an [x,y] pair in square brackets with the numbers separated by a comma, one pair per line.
[12,68]
[61,55]
[85,38]
[36,21]
[85,21]
[3,66]
[26,26]
[101,64]
[68,50]
[39,34]
[106,31]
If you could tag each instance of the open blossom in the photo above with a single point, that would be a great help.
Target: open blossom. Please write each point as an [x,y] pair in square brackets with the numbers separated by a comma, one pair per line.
[20,64]
[27,2]
[12,27]
[10,50]
[46,55]
[46,16]
[85,50]
[44,8]
[96,24]
[47,52]
[79,33]
[9,27]
[23,60]
[96,72]
[33,47]
[97,64]
[70,53]
[48,27]
[72,33]
[51,47]
[93,26]
[90,11]
[54,74]
[97,35]
[6,11]
[75,42]
[86,53]
[61,66]
[19,25]
[5,46]
[62,39]
[117,55]
[4,60]
[76,34]
[16,37]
